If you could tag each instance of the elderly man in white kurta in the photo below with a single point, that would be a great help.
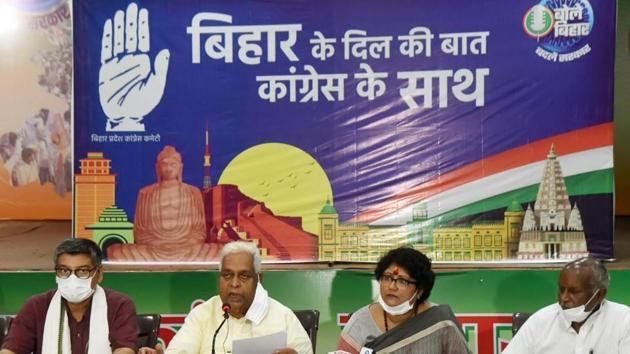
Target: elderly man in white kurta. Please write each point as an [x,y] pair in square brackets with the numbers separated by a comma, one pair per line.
[252,312]
[582,321]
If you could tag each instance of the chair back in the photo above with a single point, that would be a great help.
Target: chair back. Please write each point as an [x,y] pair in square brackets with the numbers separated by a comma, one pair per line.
[5,323]
[149,328]
[518,319]
[310,321]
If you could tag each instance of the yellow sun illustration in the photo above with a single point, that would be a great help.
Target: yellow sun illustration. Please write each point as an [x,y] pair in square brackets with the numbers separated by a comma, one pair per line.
[287,179]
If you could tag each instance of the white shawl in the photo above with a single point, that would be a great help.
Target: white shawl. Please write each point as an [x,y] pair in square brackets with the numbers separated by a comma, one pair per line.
[99,326]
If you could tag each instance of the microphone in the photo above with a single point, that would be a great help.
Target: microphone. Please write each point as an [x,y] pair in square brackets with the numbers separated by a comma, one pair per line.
[226,310]
[226,314]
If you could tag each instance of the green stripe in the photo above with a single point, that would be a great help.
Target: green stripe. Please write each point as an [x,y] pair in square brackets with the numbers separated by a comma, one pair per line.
[597,182]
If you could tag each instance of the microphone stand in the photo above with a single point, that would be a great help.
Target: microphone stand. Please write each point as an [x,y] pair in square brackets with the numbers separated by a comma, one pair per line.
[226,315]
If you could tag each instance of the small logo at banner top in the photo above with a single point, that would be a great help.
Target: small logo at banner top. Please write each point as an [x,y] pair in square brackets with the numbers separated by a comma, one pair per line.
[131,84]
[561,28]
[538,21]
[365,350]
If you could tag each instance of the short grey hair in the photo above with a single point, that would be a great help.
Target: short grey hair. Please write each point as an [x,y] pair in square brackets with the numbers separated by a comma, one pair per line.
[600,279]
[242,247]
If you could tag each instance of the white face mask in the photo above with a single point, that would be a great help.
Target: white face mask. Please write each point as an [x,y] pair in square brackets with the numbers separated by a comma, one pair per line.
[401,309]
[258,308]
[75,290]
[578,314]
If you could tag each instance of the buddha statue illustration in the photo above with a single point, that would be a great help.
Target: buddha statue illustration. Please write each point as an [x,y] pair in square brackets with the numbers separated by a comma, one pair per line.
[169,221]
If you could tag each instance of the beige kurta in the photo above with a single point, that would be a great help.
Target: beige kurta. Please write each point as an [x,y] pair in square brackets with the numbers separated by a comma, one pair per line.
[196,334]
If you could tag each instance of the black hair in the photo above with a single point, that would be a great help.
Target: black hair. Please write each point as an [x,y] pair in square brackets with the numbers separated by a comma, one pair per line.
[75,246]
[27,153]
[415,263]
[13,138]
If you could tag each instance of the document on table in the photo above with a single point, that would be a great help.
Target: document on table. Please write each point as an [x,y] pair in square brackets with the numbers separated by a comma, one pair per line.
[260,345]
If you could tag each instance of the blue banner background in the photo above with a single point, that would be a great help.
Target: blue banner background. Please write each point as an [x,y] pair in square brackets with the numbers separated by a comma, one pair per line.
[370,150]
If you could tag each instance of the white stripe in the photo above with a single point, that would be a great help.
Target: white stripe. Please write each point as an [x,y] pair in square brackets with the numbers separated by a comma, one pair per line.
[502,182]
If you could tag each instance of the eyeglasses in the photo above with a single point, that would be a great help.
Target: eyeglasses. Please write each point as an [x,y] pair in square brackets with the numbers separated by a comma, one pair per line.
[242,276]
[401,283]
[81,273]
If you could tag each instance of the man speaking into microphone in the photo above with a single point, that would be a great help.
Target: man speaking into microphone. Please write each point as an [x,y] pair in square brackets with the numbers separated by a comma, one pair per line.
[241,310]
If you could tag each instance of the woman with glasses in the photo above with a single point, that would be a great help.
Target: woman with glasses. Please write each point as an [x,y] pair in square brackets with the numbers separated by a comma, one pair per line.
[403,320]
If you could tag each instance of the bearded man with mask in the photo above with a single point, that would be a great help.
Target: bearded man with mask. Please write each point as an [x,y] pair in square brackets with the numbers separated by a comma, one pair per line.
[582,321]
[79,317]
[403,320]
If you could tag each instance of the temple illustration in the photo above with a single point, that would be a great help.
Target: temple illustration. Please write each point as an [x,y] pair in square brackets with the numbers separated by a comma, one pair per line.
[553,228]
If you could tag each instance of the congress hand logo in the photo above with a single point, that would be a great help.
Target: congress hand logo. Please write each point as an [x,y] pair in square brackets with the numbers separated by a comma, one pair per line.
[129,88]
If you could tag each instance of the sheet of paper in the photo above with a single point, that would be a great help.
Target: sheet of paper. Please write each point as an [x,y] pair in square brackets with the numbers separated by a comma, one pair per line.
[260,345]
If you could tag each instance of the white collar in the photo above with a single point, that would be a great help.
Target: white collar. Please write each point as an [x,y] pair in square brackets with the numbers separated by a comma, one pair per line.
[258,309]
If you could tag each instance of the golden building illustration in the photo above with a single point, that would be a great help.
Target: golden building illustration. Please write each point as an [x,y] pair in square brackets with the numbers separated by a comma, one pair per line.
[419,230]
[355,243]
[95,190]
[483,241]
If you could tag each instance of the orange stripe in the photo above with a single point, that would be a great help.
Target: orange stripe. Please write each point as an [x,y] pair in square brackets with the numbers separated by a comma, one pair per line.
[567,143]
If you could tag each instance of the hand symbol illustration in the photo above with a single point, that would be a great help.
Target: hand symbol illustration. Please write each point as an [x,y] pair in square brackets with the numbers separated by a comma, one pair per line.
[128,87]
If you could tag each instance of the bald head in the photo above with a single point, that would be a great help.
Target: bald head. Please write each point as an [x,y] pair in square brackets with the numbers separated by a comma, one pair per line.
[591,270]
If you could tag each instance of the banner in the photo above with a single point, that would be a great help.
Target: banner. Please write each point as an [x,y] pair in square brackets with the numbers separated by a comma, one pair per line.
[35,134]
[327,131]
